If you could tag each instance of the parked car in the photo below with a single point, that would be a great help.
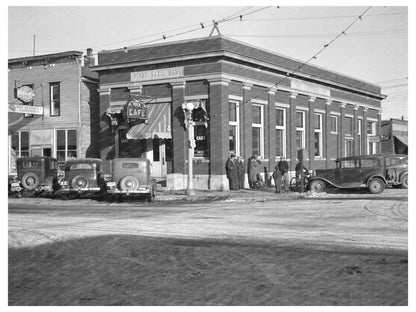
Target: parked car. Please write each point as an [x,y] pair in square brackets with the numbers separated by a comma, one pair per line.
[397,170]
[35,174]
[373,172]
[83,176]
[131,176]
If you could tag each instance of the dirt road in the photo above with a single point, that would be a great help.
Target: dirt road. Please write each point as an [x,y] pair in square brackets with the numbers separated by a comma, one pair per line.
[241,249]
[335,221]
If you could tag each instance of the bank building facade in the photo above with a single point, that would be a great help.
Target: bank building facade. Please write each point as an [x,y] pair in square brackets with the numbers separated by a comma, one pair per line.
[243,100]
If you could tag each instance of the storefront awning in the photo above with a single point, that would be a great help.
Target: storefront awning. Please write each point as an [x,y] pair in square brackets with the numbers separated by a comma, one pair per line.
[156,126]
[402,138]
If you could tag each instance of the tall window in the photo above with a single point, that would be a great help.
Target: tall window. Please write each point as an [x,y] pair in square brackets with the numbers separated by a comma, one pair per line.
[318,136]
[359,136]
[280,132]
[66,145]
[371,132]
[20,143]
[334,124]
[55,98]
[348,125]
[349,147]
[300,130]
[233,128]
[257,130]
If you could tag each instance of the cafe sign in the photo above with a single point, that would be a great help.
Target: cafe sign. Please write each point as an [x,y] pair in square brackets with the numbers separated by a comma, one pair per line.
[137,110]
[26,94]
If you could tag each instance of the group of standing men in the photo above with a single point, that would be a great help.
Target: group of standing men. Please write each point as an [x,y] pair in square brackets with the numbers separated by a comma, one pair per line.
[235,173]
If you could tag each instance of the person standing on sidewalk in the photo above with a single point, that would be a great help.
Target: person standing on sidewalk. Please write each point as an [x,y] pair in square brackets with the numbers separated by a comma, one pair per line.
[277,177]
[240,172]
[253,167]
[284,170]
[231,170]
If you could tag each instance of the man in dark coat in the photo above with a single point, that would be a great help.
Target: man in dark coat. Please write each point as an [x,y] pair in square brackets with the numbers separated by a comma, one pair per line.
[240,172]
[284,170]
[231,169]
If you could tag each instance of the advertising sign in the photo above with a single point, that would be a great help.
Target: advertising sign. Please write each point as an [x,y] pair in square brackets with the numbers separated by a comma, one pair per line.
[25,93]
[164,73]
[26,109]
[137,109]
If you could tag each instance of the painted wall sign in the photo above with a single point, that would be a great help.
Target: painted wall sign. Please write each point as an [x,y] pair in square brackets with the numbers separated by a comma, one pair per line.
[309,87]
[137,109]
[164,73]
[26,94]
[26,109]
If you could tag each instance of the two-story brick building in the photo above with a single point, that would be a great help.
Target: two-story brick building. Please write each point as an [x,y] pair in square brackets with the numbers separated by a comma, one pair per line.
[52,99]
[247,101]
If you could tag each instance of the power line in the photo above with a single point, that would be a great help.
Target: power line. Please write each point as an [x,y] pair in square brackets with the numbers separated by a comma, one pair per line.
[299,68]
[319,17]
[295,36]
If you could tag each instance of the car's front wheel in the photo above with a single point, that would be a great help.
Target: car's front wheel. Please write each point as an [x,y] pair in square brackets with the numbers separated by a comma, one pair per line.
[317,186]
[376,186]
[405,182]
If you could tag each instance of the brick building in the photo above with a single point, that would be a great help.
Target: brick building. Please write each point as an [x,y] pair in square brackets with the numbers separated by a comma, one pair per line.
[52,99]
[247,101]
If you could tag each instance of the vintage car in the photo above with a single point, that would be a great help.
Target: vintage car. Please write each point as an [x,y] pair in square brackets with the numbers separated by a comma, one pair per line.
[35,174]
[373,172]
[131,176]
[83,176]
[397,170]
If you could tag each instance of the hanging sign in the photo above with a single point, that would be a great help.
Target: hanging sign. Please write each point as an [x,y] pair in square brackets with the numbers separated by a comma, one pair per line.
[25,93]
[137,109]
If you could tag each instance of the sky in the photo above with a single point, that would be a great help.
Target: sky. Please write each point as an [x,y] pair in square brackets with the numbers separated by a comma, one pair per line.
[373,49]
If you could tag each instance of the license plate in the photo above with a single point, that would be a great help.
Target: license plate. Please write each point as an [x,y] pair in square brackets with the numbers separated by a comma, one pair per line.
[111,183]
[15,184]
[64,182]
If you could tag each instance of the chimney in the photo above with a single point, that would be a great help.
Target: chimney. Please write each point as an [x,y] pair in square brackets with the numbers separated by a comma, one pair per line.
[89,59]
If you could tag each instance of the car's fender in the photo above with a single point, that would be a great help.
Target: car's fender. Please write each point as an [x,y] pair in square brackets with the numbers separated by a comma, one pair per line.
[375,176]
[323,179]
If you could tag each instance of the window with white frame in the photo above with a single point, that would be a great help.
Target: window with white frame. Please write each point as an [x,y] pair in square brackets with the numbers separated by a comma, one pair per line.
[257,130]
[349,126]
[55,98]
[20,143]
[371,132]
[280,132]
[66,145]
[359,136]
[318,145]
[300,130]
[349,148]
[334,124]
[233,128]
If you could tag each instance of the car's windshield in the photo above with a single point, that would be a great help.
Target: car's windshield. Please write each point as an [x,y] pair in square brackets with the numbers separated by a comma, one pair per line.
[81,166]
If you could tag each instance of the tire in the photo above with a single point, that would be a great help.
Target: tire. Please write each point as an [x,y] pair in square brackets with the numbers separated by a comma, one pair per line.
[376,186]
[129,183]
[317,186]
[30,181]
[405,183]
[293,185]
[149,198]
[79,182]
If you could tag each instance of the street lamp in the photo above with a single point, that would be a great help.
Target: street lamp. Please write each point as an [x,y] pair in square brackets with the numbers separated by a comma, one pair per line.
[187,110]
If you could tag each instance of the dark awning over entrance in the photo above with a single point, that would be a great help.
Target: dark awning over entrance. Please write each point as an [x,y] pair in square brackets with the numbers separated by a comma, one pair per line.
[402,138]
[157,125]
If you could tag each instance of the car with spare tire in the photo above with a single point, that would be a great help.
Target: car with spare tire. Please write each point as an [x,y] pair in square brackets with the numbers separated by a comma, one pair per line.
[35,174]
[84,176]
[372,172]
[131,177]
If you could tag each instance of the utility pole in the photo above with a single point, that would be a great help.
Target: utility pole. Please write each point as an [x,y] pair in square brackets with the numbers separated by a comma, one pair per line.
[34,44]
